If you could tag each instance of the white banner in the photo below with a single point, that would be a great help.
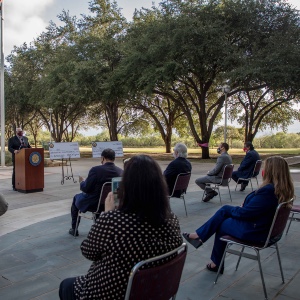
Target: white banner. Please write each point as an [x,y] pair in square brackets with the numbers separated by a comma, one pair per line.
[64,150]
[98,147]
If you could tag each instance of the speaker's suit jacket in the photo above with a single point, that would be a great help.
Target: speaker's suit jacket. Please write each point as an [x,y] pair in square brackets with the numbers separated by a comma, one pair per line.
[15,144]
[91,187]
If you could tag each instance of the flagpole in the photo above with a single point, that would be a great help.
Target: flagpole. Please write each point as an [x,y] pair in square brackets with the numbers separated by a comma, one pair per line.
[2,106]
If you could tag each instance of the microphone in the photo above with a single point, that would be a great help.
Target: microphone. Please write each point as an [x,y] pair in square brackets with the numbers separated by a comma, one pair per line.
[22,144]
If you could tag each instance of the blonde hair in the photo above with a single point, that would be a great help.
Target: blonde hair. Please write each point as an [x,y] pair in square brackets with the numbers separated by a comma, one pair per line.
[277,172]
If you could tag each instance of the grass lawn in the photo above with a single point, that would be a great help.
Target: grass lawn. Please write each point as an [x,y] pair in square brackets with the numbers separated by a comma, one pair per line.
[195,153]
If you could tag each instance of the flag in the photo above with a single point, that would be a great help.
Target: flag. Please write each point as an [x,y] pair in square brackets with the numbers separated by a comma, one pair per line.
[205,145]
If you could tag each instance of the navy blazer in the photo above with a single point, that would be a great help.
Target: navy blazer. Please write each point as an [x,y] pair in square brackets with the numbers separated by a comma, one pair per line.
[91,187]
[247,165]
[175,167]
[15,144]
[252,221]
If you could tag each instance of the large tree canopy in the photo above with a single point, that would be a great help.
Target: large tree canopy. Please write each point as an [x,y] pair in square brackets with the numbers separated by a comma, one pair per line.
[185,51]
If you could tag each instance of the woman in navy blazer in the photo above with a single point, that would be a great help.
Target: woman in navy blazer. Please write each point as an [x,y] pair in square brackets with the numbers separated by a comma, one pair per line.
[252,220]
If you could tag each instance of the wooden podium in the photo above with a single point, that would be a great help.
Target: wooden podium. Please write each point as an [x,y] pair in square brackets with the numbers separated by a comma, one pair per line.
[29,170]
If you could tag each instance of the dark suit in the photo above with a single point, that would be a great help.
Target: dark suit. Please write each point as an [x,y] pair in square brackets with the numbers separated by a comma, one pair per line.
[14,143]
[91,188]
[249,223]
[175,167]
[246,167]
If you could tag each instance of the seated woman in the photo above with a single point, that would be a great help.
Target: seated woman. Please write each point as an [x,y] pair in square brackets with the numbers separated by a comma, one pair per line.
[251,221]
[142,227]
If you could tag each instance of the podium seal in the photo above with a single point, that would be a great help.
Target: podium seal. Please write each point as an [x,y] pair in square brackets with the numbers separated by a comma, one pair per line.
[35,158]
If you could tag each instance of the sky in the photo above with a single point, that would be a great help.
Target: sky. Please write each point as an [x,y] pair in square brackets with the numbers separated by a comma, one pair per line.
[25,20]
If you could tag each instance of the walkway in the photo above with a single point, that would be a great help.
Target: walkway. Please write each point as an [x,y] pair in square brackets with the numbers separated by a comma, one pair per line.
[37,252]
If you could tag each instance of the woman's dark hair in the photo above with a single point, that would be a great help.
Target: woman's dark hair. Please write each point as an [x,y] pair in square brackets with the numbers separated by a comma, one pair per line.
[143,190]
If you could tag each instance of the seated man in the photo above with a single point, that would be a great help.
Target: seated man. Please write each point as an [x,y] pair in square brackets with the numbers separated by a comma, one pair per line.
[215,175]
[247,165]
[179,165]
[91,187]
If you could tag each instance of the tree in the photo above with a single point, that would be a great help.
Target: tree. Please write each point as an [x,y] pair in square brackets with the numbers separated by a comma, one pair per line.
[163,113]
[185,51]
[100,43]
[263,108]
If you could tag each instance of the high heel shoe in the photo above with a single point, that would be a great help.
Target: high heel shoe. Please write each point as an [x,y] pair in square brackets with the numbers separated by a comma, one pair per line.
[195,242]
[214,269]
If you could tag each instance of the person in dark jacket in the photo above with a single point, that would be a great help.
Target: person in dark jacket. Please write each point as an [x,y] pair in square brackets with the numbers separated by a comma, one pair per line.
[179,165]
[247,165]
[91,187]
[251,221]
[15,144]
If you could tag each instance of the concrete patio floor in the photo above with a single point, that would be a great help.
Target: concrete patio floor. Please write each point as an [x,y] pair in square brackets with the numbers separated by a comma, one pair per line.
[36,251]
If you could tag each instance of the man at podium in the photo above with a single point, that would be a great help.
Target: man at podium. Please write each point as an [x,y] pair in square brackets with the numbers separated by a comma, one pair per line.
[15,144]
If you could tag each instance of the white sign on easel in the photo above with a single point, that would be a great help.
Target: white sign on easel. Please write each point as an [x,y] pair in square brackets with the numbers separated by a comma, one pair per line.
[98,147]
[64,150]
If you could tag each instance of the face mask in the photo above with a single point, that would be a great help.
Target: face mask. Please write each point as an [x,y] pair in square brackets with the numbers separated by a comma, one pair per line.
[262,172]
[245,149]
[219,150]
[20,133]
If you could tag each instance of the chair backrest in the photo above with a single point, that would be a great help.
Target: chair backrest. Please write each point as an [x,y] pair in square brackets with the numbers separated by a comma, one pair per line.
[257,167]
[181,182]
[106,188]
[159,282]
[227,173]
[279,222]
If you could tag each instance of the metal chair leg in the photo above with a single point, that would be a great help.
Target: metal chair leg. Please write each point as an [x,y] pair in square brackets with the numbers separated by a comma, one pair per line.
[240,256]
[261,274]
[77,224]
[279,261]
[229,192]
[291,219]
[184,205]
[221,264]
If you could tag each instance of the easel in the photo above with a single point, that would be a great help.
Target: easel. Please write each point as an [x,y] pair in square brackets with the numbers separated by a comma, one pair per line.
[67,177]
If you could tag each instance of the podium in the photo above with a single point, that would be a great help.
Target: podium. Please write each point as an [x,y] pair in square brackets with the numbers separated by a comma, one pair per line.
[29,170]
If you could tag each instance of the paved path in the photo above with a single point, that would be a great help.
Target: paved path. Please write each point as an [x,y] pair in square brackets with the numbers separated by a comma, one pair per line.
[37,252]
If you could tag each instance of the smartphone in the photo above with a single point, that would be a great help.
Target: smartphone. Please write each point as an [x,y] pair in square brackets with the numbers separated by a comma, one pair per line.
[115,183]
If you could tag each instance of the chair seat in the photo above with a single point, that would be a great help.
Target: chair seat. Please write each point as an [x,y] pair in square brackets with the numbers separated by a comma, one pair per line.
[296,208]
[229,238]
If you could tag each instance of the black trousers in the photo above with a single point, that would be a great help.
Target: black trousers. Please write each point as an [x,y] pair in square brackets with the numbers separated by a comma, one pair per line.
[74,212]
[66,289]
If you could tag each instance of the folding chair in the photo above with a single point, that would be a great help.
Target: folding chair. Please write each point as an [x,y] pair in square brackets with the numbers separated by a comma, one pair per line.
[157,282]
[254,174]
[295,210]
[106,188]
[275,233]
[181,184]
[226,178]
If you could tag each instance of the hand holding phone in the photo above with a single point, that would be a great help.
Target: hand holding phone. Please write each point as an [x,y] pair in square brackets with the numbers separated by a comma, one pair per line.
[115,183]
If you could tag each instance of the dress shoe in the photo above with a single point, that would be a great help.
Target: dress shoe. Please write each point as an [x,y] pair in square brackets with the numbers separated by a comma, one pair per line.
[243,186]
[214,269]
[195,242]
[72,231]
[209,196]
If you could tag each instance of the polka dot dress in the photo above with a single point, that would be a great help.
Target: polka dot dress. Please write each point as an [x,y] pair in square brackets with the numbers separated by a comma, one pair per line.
[115,243]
